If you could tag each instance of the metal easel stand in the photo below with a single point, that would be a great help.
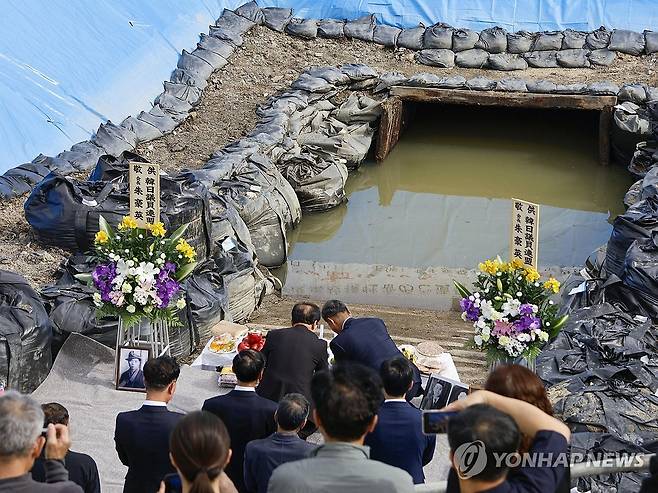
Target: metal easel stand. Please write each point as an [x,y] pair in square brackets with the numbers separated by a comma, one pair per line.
[154,335]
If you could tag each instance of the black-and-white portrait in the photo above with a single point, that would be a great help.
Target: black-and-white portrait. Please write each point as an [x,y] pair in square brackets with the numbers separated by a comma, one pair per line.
[442,391]
[130,366]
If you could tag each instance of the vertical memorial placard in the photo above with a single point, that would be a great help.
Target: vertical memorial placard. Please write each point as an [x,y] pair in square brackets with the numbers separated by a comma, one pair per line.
[525,232]
[145,193]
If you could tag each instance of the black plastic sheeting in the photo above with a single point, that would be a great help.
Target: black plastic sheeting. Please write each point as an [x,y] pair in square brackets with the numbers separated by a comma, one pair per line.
[25,335]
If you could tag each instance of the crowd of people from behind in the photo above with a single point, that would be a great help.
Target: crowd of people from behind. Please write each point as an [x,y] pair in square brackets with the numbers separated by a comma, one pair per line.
[253,439]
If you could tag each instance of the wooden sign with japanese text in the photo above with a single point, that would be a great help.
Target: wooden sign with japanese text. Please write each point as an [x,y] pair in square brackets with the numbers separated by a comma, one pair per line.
[525,232]
[145,193]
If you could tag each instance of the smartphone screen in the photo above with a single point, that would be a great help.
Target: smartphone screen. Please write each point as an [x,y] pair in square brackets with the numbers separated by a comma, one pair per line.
[435,422]
[173,483]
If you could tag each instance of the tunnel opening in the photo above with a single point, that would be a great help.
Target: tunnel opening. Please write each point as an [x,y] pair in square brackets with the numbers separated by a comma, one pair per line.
[439,203]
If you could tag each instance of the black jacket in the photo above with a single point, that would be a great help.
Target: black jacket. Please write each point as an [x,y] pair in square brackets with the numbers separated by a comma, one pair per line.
[366,341]
[398,439]
[81,467]
[293,356]
[247,417]
[142,442]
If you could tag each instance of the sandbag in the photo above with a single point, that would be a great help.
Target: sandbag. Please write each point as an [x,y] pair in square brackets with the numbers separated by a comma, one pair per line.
[388,80]
[159,119]
[143,130]
[207,300]
[361,28]
[542,59]
[319,184]
[25,335]
[452,82]
[62,166]
[386,35]
[603,88]
[358,71]
[276,18]
[438,36]
[644,158]
[651,40]
[464,39]
[481,83]
[21,179]
[412,38]
[333,75]
[251,11]
[541,86]
[573,58]
[475,58]
[638,222]
[436,58]
[625,41]
[226,223]
[512,85]
[82,155]
[331,28]
[599,39]
[506,62]
[519,42]
[575,88]
[493,40]
[601,58]
[649,184]
[636,93]
[114,139]
[573,40]
[304,28]
[358,109]
[641,272]
[64,212]
[218,46]
[306,82]
[234,22]
[548,41]
[424,79]
[213,59]
[631,126]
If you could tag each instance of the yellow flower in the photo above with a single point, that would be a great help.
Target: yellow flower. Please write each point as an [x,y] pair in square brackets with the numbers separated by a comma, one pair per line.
[490,266]
[127,223]
[101,237]
[186,249]
[516,263]
[552,285]
[531,274]
[158,229]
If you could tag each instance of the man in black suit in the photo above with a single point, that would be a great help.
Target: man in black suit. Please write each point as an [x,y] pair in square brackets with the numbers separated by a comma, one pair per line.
[363,340]
[293,356]
[133,377]
[261,457]
[398,439]
[247,415]
[142,436]
[81,467]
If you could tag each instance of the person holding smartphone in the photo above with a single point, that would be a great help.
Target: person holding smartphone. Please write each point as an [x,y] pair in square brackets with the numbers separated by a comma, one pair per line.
[488,426]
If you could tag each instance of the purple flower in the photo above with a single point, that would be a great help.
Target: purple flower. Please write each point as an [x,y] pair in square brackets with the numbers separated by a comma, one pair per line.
[103,275]
[166,287]
[526,309]
[468,307]
[527,323]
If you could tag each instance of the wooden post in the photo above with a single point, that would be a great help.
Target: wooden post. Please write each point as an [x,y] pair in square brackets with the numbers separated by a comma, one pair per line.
[605,124]
[389,127]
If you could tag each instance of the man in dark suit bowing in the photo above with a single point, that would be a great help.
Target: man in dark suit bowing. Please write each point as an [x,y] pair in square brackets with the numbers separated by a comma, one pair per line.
[398,439]
[363,340]
[142,436]
[247,415]
[293,356]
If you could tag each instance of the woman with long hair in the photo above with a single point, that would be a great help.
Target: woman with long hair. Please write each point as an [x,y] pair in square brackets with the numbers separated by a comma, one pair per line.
[200,449]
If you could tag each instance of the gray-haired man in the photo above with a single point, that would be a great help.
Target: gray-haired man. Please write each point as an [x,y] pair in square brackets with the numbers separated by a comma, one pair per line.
[21,442]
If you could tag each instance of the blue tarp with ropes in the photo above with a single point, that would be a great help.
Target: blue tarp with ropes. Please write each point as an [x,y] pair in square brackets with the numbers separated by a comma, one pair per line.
[68,65]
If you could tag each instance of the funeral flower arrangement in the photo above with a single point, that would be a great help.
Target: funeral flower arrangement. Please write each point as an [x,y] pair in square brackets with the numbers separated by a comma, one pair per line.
[511,310]
[140,271]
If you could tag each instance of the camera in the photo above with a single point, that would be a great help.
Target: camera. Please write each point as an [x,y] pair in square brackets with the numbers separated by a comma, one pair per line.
[435,422]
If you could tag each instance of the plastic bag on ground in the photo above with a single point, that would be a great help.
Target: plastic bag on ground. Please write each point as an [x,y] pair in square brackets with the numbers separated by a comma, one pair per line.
[25,335]
[641,271]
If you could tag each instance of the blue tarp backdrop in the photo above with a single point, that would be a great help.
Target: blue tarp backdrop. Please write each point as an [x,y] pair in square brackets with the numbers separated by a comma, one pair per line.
[68,65]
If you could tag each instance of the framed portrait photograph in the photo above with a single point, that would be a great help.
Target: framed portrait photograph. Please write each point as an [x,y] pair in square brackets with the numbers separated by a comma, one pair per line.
[441,391]
[130,368]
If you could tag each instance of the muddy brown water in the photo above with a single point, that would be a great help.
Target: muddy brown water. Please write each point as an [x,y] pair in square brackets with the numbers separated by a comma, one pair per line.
[440,203]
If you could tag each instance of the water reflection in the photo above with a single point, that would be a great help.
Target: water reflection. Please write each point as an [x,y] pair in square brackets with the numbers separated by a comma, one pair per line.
[442,196]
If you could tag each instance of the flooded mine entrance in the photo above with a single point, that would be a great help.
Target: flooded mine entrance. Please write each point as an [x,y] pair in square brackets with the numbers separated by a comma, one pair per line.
[440,202]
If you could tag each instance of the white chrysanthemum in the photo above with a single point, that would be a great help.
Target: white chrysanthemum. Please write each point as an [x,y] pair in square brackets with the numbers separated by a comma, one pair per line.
[543,336]
[504,341]
[130,308]
[180,304]
[478,340]
[486,331]
[126,287]
[481,323]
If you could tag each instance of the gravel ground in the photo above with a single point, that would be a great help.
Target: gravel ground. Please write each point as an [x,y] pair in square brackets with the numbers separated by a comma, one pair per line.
[268,62]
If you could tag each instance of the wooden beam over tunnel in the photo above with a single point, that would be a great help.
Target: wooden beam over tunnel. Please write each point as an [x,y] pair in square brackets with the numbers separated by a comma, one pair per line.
[392,109]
